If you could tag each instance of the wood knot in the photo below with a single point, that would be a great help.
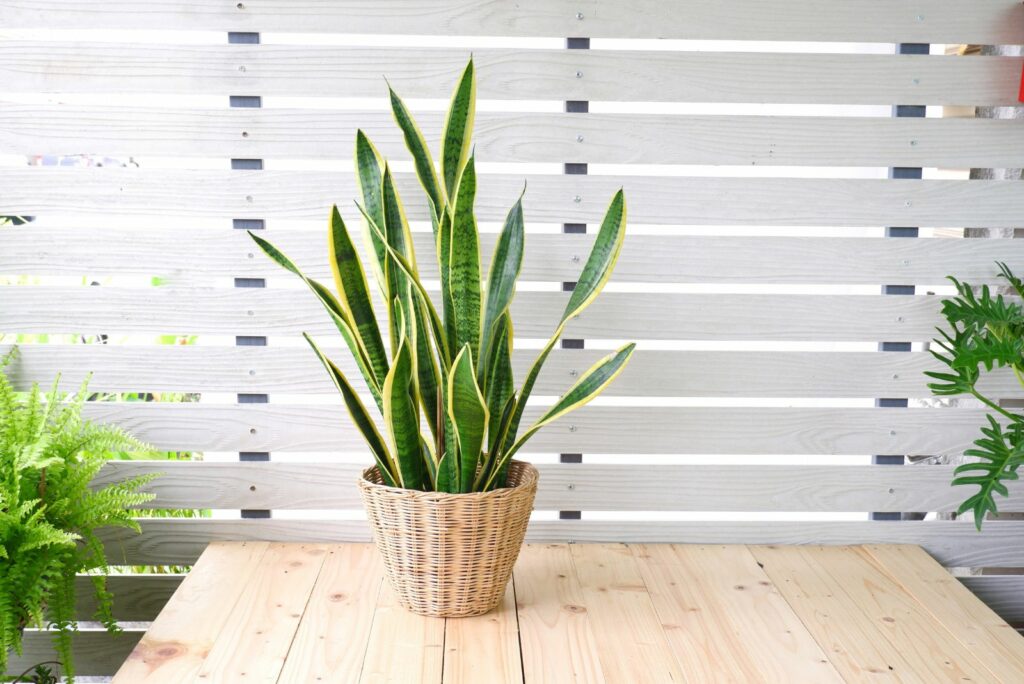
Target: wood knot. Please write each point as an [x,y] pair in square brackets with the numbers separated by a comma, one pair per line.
[888,619]
[739,587]
[337,597]
[573,608]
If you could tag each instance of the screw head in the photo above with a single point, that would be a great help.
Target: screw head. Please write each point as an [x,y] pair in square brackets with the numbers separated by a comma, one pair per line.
[570,486]
[248,198]
[250,255]
[573,373]
[579,74]
[577,199]
[892,433]
[241,68]
[575,258]
[252,431]
[913,143]
[572,428]
[579,138]
[252,372]
[579,16]
[899,319]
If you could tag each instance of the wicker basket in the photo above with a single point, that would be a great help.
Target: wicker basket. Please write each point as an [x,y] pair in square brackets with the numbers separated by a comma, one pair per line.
[450,555]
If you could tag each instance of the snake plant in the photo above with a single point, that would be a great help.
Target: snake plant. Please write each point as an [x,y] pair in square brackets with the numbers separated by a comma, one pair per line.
[987,332]
[450,368]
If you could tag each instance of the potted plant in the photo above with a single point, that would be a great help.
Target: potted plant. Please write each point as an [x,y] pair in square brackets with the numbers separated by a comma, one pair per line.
[50,513]
[985,331]
[448,508]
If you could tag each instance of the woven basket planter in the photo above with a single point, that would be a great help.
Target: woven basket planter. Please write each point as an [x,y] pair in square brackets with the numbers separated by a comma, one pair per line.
[450,555]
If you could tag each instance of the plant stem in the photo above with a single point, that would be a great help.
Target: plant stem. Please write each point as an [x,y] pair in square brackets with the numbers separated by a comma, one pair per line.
[996,407]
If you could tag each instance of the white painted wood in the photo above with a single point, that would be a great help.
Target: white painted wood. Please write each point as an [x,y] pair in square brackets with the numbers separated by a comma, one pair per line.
[102,192]
[615,315]
[516,137]
[96,653]
[908,21]
[1003,593]
[950,543]
[188,255]
[508,74]
[592,429]
[324,486]
[263,370]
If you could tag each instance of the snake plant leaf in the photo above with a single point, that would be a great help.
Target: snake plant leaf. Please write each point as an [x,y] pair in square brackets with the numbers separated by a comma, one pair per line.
[421,158]
[590,385]
[458,128]
[351,285]
[398,238]
[499,386]
[339,315]
[368,175]
[501,283]
[360,416]
[464,264]
[402,419]
[468,413]
[427,371]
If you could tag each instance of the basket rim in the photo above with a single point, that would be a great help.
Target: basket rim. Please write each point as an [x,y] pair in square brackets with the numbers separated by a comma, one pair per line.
[530,481]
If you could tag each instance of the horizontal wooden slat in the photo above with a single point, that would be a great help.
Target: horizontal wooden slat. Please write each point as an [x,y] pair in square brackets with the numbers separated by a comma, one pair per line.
[263,370]
[615,315]
[594,429]
[187,255]
[517,137]
[137,598]
[951,543]
[96,653]
[509,74]
[323,486]
[550,198]
[1003,593]
[917,21]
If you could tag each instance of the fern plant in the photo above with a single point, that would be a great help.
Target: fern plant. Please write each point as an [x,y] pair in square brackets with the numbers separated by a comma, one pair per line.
[450,369]
[986,332]
[50,515]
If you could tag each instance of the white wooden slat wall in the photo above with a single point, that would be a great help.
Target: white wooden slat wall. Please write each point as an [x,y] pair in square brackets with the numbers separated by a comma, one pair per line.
[756,283]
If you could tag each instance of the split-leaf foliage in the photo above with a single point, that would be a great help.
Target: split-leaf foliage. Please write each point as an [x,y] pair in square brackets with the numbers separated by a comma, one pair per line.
[449,365]
[50,512]
[986,331]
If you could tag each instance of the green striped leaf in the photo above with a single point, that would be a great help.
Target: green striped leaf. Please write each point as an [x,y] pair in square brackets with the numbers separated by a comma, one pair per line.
[397,238]
[499,386]
[458,130]
[360,417]
[350,282]
[464,264]
[402,419]
[501,283]
[444,253]
[590,385]
[468,413]
[601,261]
[368,175]
[428,373]
[421,158]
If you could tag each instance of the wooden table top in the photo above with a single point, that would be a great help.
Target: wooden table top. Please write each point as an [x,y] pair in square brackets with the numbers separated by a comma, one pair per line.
[262,612]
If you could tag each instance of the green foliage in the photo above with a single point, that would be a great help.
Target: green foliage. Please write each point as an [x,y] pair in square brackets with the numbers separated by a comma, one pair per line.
[450,369]
[985,332]
[50,515]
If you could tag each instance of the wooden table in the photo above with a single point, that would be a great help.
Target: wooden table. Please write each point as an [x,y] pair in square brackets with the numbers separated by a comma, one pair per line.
[260,612]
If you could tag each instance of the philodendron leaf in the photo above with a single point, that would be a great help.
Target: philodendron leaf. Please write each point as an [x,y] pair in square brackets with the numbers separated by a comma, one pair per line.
[590,385]
[350,281]
[360,417]
[501,283]
[368,174]
[420,155]
[341,317]
[468,413]
[458,129]
[402,419]
[464,264]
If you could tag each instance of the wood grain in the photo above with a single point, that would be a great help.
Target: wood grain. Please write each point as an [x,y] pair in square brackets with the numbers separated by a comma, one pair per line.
[508,73]
[137,598]
[96,653]
[97,193]
[558,643]
[528,137]
[484,644]
[403,646]
[930,21]
[1002,593]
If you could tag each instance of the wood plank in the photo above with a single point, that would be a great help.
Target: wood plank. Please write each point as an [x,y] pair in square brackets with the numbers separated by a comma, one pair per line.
[952,543]
[215,583]
[92,193]
[255,640]
[331,640]
[845,602]
[685,373]
[931,21]
[557,640]
[605,487]
[724,619]
[486,644]
[508,73]
[615,315]
[96,653]
[631,643]
[137,598]
[1002,593]
[968,620]
[403,646]
[188,255]
[528,137]
[595,429]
